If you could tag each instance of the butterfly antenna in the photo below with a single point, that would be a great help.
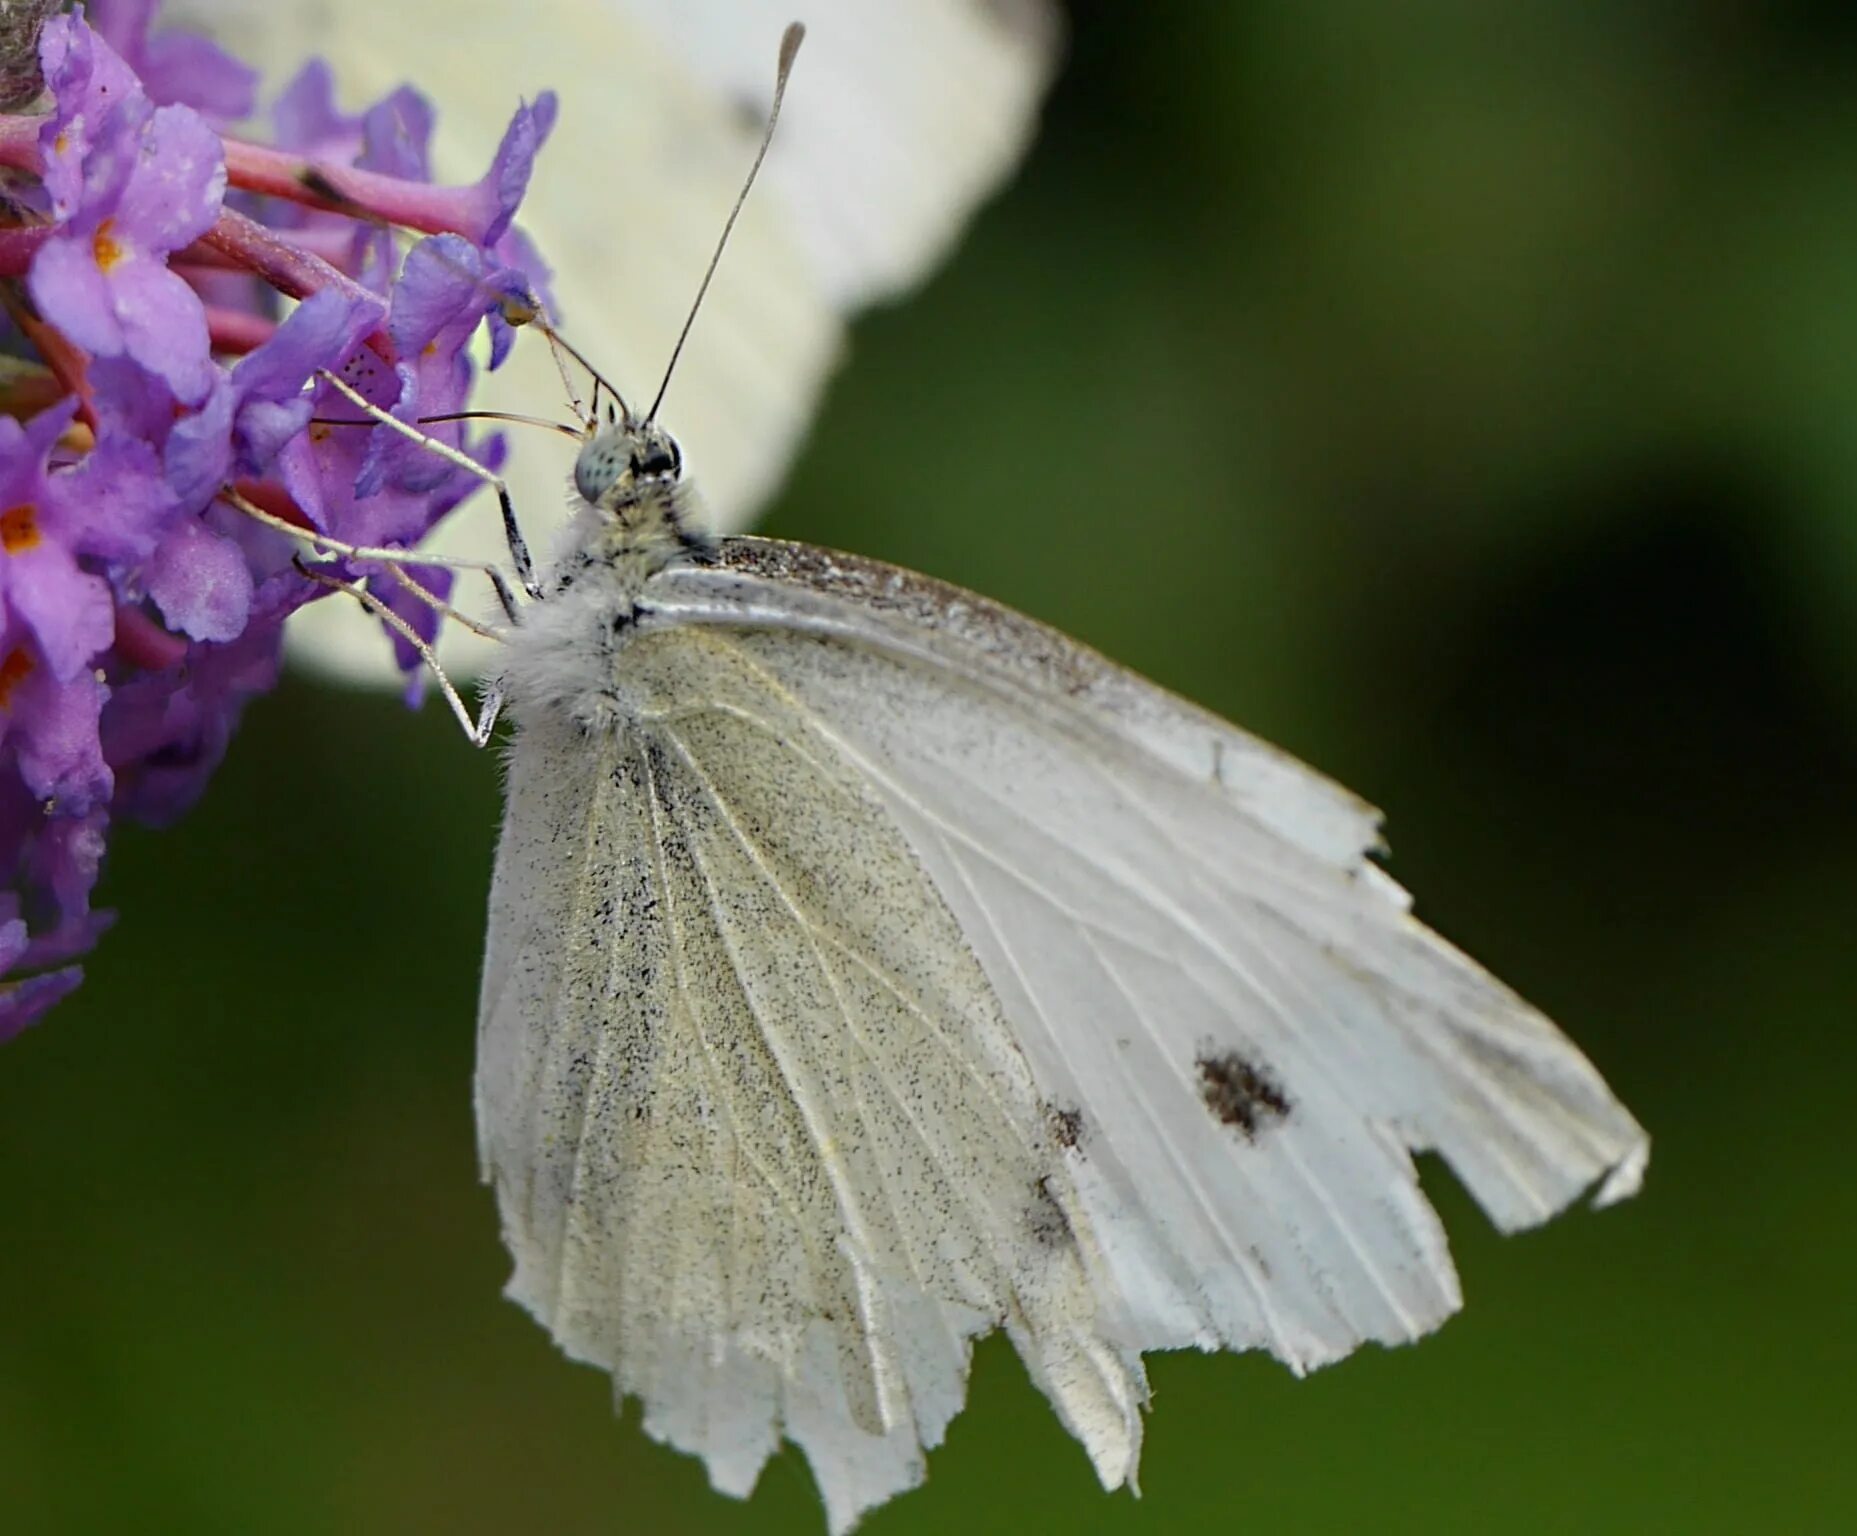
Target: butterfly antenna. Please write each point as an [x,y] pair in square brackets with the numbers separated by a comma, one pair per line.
[600,381]
[513,416]
[789,47]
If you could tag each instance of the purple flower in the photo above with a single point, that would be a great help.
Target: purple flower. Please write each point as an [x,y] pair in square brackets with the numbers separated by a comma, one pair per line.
[48,600]
[421,617]
[517,253]
[96,100]
[168,731]
[306,117]
[49,729]
[501,190]
[134,182]
[446,289]
[140,607]
[176,67]
[396,139]
[24,1000]
[117,505]
[259,406]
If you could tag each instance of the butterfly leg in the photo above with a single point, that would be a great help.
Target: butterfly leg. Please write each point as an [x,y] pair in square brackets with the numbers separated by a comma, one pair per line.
[512,532]
[394,559]
[477,729]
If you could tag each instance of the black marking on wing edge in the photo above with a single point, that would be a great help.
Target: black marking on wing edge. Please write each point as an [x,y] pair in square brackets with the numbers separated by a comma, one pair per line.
[1066,1126]
[1240,1094]
[1045,1219]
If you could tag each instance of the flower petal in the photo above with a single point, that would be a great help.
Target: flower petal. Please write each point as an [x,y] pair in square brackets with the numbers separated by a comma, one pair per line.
[71,292]
[24,1002]
[196,72]
[508,177]
[198,456]
[201,582]
[95,95]
[114,504]
[68,611]
[306,118]
[163,326]
[396,136]
[319,333]
[54,727]
[179,182]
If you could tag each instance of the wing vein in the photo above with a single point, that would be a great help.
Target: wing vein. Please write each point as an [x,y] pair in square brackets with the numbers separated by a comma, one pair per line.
[575,1206]
[1244,978]
[754,721]
[705,1046]
[813,935]
[802,1095]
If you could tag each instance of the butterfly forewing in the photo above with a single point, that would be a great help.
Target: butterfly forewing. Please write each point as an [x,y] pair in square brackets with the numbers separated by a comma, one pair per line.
[1244,1026]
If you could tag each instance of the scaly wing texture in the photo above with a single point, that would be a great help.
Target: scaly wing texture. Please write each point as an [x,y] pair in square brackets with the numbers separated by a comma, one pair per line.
[1245,1030]
[764,1146]
[902,117]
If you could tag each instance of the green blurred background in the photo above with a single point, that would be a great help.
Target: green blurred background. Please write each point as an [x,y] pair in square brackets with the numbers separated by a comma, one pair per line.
[1464,400]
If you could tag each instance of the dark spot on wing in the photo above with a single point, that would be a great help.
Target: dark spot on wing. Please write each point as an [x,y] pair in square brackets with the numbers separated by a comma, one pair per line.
[1240,1094]
[1066,1126]
[1045,1218]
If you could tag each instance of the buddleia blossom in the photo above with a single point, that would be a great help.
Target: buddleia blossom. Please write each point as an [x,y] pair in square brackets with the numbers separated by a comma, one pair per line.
[175,295]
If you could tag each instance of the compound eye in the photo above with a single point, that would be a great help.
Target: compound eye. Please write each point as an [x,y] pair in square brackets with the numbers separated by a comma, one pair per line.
[659,459]
[596,468]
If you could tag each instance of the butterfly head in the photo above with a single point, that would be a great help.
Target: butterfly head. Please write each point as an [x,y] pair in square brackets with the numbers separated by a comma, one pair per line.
[624,462]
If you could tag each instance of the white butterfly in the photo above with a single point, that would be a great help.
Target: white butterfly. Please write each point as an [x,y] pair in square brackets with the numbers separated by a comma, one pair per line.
[913,111]
[870,967]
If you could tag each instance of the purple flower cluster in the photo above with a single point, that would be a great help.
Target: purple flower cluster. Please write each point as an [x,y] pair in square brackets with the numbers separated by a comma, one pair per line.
[142,255]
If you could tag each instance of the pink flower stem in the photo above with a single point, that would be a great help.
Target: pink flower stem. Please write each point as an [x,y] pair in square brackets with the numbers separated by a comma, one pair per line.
[65,360]
[143,642]
[414,204]
[18,247]
[19,142]
[235,330]
[286,267]
[331,243]
[269,496]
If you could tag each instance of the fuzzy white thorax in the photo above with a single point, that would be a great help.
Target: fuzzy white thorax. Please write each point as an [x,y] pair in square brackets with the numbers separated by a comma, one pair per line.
[634,514]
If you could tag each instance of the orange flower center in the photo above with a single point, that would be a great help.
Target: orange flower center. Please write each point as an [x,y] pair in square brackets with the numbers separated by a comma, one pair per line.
[105,247]
[19,529]
[13,671]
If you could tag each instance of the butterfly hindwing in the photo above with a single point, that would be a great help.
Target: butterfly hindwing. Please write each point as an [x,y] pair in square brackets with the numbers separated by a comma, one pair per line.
[764,1144]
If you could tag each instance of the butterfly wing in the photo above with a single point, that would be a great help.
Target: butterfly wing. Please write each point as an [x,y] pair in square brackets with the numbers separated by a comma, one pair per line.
[904,969]
[763,1143]
[1244,1030]
[909,115]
